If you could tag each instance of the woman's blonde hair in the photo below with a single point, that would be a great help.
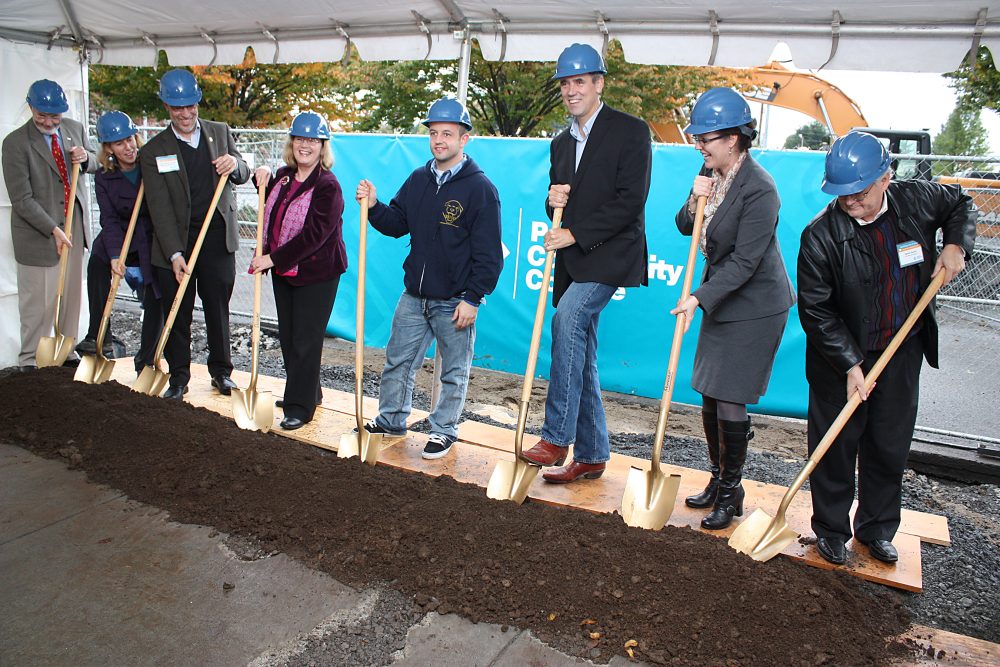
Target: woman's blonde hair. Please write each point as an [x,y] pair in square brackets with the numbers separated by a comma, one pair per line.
[325,156]
[106,157]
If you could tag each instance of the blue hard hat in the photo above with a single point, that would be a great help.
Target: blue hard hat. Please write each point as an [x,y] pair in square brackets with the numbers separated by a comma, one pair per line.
[448,110]
[115,126]
[309,124]
[855,161]
[47,96]
[720,109]
[579,59]
[133,276]
[178,88]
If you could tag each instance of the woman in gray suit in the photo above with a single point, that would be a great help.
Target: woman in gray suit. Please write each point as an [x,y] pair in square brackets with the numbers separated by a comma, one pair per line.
[745,293]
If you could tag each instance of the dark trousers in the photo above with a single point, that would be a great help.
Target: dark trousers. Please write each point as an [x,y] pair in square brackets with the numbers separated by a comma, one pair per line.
[213,279]
[303,313]
[98,286]
[152,326]
[877,438]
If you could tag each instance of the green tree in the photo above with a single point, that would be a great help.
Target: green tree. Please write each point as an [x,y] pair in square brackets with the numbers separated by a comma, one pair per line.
[245,95]
[517,98]
[962,134]
[813,136]
[978,86]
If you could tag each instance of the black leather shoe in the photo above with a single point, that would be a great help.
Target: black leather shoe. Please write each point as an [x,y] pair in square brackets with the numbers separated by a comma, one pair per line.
[292,423]
[832,549]
[224,384]
[175,393]
[882,550]
[87,346]
[279,403]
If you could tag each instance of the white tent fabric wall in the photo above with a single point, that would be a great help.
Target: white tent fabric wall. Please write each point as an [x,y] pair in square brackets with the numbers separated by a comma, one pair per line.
[896,35]
[20,65]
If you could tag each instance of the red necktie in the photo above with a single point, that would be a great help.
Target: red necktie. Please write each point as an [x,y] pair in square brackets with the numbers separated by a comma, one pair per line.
[57,155]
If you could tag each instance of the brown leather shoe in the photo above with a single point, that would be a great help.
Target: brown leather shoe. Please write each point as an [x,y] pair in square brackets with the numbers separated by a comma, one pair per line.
[544,453]
[573,472]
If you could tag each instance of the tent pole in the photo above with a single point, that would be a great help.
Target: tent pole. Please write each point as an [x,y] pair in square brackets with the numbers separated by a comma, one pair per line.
[463,65]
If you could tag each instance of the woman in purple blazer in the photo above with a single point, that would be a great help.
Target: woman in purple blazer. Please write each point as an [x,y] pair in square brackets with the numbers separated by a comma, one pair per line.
[303,246]
[117,186]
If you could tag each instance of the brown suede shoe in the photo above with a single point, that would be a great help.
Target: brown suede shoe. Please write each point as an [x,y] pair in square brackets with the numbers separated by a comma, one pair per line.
[544,453]
[573,472]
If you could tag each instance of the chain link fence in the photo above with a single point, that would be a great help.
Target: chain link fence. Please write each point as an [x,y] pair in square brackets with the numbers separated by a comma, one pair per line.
[968,308]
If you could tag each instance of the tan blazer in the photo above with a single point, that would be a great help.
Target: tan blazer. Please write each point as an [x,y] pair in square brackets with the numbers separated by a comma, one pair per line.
[168,195]
[36,191]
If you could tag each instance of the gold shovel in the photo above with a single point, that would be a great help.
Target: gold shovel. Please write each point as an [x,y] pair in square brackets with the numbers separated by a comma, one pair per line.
[512,479]
[761,537]
[152,380]
[255,411]
[96,368]
[54,350]
[363,443]
[649,495]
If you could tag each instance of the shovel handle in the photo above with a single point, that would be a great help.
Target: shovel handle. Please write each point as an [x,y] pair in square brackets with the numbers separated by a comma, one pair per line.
[536,340]
[115,278]
[359,317]
[64,253]
[168,325]
[675,345]
[257,277]
[855,400]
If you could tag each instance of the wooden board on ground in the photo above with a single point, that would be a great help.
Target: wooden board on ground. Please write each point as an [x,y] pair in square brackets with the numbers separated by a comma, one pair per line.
[949,648]
[482,446]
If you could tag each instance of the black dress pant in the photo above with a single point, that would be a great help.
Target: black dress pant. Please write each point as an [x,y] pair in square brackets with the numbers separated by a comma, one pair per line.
[152,327]
[303,313]
[213,278]
[877,438]
[98,286]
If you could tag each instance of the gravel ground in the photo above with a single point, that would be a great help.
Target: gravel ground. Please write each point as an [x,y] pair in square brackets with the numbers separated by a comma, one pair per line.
[961,583]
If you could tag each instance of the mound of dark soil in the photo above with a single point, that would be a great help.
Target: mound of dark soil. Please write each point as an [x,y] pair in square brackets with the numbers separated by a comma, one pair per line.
[585,583]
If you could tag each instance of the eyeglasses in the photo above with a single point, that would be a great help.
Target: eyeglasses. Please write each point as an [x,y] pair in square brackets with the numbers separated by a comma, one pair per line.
[307,140]
[701,141]
[859,196]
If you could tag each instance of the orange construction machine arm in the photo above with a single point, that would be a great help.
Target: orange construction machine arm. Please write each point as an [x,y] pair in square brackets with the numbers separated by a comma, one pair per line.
[800,91]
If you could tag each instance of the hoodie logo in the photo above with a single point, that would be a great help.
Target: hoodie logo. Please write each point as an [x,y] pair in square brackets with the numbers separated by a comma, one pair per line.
[451,212]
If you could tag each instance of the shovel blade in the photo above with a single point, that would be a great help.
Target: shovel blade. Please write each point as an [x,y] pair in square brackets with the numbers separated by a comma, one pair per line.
[761,537]
[151,381]
[86,372]
[511,480]
[53,350]
[362,444]
[253,410]
[94,369]
[649,498]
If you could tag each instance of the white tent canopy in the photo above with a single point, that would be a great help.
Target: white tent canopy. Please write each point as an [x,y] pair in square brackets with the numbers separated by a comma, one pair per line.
[899,35]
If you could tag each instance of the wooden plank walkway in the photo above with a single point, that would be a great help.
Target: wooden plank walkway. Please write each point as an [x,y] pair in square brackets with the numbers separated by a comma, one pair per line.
[481,446]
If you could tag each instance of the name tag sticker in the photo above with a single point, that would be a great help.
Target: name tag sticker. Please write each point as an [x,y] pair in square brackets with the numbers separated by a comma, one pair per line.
[167,163]
[910,253]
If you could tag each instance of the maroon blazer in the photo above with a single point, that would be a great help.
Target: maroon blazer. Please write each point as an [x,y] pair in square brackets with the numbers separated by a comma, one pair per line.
[318,249]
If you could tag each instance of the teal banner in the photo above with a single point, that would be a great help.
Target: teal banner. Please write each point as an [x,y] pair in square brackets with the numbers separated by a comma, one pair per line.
[636,328]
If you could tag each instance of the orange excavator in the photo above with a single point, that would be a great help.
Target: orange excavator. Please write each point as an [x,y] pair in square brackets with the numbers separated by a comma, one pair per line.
[777,85]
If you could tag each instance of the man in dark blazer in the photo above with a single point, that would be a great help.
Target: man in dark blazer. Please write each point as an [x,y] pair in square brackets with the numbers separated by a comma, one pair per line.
[599,174]
[181,167]
[37,163]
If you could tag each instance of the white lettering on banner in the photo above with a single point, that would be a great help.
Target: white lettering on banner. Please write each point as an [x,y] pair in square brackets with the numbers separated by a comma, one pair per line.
[536,255]
[538,230]
[660,270]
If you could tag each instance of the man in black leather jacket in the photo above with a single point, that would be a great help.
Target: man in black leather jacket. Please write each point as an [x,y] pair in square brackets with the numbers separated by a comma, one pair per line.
[863,263]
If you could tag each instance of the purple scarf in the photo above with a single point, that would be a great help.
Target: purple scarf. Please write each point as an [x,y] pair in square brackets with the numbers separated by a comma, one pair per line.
[292,222]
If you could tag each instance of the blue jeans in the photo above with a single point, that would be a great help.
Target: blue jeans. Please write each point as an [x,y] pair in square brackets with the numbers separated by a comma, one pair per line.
[416,323]
[574,413]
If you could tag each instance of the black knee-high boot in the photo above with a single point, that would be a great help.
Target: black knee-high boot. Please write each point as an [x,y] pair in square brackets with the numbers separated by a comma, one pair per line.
[733,446]
[707,497]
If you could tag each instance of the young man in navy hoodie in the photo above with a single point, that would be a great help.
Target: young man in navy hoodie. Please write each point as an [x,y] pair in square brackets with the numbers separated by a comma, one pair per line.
[451,211]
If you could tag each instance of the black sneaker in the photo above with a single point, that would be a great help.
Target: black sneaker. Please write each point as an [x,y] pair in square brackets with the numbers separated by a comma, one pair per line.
[372,427]
[437,446]
[87,346]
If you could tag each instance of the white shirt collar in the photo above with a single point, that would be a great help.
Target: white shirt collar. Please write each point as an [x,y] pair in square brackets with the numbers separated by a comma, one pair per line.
[883,209]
